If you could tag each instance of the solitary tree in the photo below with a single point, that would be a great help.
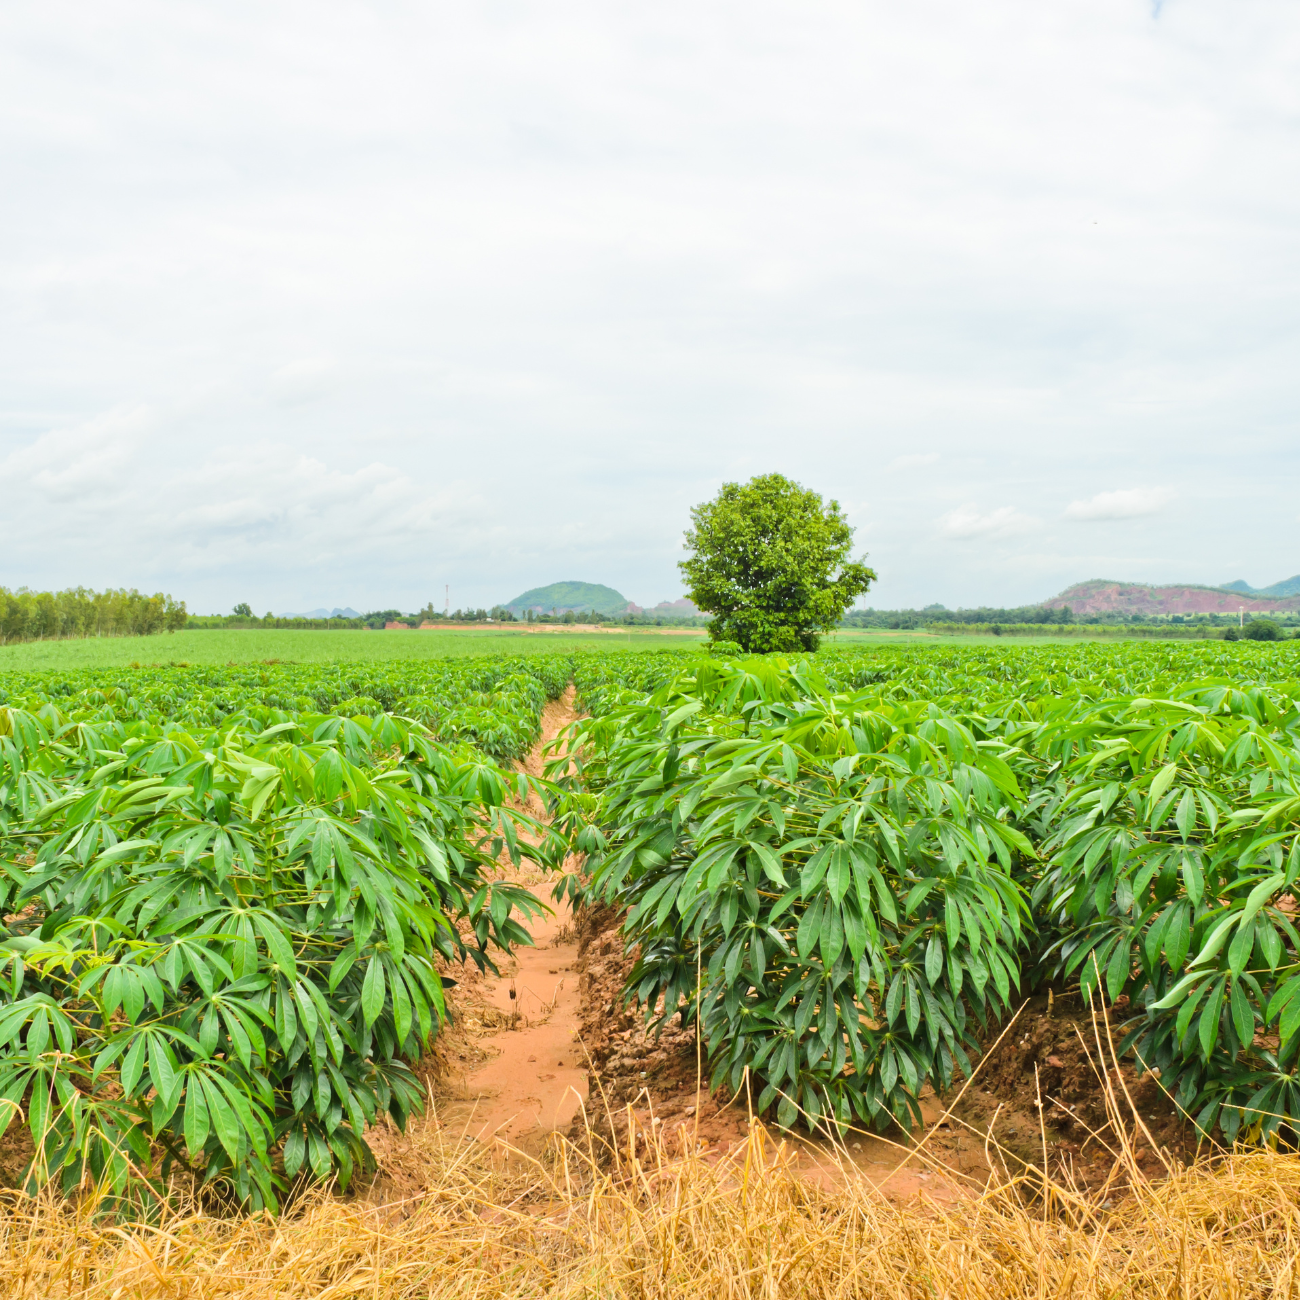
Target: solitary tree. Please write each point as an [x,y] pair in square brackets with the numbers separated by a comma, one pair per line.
[771,562]
[243,610]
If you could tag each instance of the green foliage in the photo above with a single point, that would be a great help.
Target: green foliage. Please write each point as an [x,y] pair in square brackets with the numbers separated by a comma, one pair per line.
[854,855]
[771,562]
[232,895]
[56,615]
[226,943]
[494,702]
[1263,629]
[840,882]
[1171,860]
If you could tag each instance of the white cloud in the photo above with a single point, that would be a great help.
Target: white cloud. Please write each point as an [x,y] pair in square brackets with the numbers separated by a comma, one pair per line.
[302,380]
[493,294]
[1124,503]
[271,522]
[86,464]
[968,522]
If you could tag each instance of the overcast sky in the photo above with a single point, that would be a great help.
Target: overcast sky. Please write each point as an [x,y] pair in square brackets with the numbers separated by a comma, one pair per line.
[324,303]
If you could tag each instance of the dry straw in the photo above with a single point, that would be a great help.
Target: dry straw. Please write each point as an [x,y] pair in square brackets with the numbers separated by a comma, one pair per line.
[671,1225]
[654,1217]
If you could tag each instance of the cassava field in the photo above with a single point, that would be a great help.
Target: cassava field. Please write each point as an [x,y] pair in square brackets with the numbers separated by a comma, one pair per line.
[991,950]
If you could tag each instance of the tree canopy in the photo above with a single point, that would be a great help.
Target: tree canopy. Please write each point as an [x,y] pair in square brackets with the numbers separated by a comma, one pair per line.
[771,561]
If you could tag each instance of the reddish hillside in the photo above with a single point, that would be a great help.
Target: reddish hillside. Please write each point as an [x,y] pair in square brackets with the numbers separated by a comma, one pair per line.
[1101,597]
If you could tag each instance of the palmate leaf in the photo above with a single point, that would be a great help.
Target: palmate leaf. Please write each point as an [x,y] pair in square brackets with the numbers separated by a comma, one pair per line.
[1113,767]
[866,753]
[845,829]
[229,913]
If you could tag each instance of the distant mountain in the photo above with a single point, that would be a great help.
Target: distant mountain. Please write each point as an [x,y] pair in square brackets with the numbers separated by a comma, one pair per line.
[1287,587]
[1102,596]
[564,596]
[682,608]
[324,613]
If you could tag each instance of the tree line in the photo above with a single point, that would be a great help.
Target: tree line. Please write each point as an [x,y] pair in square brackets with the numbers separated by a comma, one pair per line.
[910,618]
[375,619]
[79,612]
[936,616]
[243,617]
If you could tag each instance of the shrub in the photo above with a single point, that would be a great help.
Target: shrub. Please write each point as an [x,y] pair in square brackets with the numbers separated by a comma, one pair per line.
[848,876]
[1263,629]
[842,878]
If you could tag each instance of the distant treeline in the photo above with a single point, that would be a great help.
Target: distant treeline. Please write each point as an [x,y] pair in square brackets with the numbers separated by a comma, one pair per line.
[374,620]
[199,622]
[644,619]
[1161,631]
[934,616]
[243,617]
[910,618]
[78,612]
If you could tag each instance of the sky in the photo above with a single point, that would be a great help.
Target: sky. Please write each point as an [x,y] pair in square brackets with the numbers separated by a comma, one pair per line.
[317,304]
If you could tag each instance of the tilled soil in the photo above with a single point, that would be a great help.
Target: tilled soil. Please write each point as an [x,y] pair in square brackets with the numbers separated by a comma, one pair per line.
[1058,1052]
[1052,1052]
[512,1071]
[658,1075]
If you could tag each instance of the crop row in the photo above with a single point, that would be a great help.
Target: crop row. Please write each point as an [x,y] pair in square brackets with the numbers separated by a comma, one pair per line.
[232,896]
[494,702]
[855,875]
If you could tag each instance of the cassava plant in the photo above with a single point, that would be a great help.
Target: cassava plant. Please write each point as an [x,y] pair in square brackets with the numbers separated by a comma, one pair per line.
[833,875]
[848,875]
[1172,862]
[225,946]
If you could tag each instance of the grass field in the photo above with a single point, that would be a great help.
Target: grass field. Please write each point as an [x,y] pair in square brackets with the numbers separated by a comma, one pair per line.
[238,645]
[235,645]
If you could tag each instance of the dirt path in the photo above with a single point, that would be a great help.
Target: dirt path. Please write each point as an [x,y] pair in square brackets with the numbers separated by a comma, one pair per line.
[553,1004]
[535,1080]
[532,1041]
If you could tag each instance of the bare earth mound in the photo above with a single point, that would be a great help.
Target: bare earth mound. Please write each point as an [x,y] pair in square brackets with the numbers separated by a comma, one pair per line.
[1102,597]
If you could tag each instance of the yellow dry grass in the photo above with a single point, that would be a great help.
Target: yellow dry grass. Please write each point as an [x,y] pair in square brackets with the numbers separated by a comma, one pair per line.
[747,1226]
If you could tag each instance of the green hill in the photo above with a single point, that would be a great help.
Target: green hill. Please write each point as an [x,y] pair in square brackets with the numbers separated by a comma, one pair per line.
[1287,587]
[562,596]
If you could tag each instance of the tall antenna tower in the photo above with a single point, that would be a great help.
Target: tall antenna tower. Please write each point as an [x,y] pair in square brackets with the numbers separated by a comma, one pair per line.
[446,600]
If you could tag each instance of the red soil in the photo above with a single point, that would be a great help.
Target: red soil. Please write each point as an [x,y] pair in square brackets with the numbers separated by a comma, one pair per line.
[1137,598]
